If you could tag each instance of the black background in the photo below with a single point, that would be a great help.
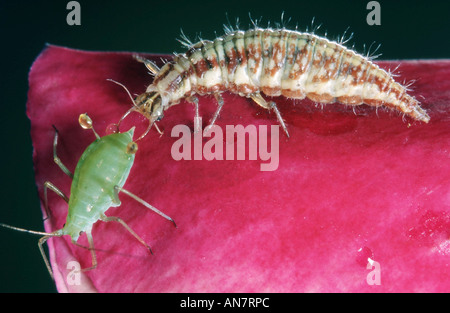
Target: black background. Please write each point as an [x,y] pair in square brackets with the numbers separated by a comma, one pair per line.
[408,30]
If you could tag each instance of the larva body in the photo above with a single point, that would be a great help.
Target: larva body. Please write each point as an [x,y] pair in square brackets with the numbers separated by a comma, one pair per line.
[274,62]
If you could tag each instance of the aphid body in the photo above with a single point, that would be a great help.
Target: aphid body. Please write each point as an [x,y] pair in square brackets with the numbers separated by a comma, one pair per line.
[274,62]
[99,176]
[92,192]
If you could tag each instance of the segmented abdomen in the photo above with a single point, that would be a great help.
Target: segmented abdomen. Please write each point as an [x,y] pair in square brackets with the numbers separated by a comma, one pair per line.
[282,62]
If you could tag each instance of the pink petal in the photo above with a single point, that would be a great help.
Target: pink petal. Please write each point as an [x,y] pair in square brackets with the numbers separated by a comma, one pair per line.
[348,187]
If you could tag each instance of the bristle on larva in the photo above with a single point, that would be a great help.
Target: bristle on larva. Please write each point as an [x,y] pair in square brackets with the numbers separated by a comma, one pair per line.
[275,62]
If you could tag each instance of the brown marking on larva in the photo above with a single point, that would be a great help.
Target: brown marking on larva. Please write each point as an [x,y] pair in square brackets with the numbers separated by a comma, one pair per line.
[216,88]
[355,71]
[276,53]
[294,94]
[242,56]
[213,62]
[232,60]
[246,89]
[192,50]
[346,65]
[330,61]
[201,67]
[321,98]
[377,103]
[163,73]
[307,52]
[175,84]
[251,53]
[317,58]
[271,91]
[350,100]
[290,54]
[202,90]
[255,54]
[358,75]
[232,87]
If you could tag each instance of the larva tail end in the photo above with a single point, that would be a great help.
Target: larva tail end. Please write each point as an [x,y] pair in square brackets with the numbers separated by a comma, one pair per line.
[418,113]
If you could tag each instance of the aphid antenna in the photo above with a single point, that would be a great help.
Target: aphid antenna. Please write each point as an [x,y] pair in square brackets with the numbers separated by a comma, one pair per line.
[126,89]
[43,239]
[34,232]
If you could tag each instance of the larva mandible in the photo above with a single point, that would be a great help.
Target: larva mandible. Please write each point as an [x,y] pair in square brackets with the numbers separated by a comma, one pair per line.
[274,62]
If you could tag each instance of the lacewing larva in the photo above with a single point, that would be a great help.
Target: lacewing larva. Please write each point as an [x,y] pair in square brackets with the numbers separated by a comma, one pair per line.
[99,176]
[274,62]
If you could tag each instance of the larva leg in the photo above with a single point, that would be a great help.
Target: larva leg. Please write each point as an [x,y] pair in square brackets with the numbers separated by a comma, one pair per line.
[49,185]
[119,220]
[194,100]
[270,106]
[92,249]
[57,159]
[220,103]
[152,67]
[144,203]
[158,130]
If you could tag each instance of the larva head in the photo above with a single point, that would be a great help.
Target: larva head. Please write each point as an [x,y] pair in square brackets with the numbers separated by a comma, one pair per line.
[150,105]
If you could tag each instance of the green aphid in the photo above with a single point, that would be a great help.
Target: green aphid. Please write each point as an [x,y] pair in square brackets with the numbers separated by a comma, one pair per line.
[99,176]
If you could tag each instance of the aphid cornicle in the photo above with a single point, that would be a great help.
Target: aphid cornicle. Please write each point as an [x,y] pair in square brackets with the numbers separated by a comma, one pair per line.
[99,176]
[274,62]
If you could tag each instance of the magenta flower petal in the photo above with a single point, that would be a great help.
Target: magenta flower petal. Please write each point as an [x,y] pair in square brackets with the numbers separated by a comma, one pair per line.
[349,189]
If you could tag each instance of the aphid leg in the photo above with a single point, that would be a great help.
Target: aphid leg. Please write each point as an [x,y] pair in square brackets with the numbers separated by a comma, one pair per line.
[49,185]
[194,100]
[92,249]
[119,220]
[56,158]
[143,202]
[41,248]
[152,67]
[220,103]
[270,106]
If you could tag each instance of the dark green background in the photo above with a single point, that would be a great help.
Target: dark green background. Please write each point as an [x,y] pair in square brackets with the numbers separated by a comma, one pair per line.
[409,30]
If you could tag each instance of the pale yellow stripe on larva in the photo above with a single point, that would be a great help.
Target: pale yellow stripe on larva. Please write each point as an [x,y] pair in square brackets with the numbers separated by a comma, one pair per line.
[273,64]
[327,69]
[213,76]
[254,55]
[266,79]
[303,63]
[228,46]
[175,77]
[371,90]
[288,81]
[184,63]
[241,76]
[346,84]
[312,84]
[281,55]
[218,45]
